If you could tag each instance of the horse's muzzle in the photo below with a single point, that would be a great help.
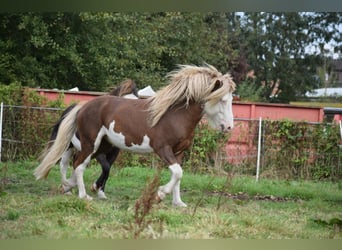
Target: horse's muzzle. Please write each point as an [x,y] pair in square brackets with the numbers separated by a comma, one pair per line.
[225,129]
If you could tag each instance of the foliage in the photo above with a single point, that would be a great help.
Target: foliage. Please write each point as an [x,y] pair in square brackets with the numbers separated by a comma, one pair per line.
[11,94]
[26,127]
[250,91]
[275,47]
[298,150]
[205,151]
[94,50]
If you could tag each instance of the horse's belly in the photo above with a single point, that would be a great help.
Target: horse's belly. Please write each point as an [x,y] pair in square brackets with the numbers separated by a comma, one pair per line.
[118,140]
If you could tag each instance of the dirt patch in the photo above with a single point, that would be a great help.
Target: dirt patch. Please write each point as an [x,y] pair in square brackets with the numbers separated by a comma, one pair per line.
[245,197]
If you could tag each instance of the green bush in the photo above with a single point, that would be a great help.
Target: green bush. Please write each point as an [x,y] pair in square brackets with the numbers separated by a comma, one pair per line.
[206,148]
[302,150]
[26,127]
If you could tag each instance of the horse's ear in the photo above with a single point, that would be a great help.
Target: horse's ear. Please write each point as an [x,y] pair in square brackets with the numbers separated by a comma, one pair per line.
[218,84]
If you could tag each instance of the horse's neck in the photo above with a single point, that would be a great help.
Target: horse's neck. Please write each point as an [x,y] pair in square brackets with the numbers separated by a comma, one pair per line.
[191,115]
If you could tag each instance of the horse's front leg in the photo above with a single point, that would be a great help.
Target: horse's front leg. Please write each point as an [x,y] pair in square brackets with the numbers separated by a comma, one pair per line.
[176,199]
[176,175]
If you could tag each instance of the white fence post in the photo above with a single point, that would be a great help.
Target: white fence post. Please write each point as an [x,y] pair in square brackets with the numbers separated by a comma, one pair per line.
[259,150]
[1,112]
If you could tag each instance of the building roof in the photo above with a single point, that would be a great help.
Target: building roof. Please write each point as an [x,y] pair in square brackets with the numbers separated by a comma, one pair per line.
[324,92]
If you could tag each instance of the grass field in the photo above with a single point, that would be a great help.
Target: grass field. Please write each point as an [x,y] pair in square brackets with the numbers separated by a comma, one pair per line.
[318,104]
[219,207]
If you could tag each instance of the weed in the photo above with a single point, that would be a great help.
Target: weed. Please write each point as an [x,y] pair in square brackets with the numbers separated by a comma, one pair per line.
[13,214]
[144,205]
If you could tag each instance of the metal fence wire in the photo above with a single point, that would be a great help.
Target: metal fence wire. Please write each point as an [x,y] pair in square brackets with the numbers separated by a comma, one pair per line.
[289,150]
[25,130]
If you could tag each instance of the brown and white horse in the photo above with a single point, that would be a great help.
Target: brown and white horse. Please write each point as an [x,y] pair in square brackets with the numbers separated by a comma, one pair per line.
[106,155]
[163,124]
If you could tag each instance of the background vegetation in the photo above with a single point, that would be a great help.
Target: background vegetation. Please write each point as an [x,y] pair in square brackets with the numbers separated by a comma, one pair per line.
[96,50]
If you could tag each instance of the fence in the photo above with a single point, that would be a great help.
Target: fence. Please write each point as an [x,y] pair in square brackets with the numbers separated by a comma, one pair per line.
[305,150]
[281,149]
[25,130]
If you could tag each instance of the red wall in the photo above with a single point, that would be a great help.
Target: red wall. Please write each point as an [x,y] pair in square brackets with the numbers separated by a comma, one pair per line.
[69,96]
[240,109]
[277,112]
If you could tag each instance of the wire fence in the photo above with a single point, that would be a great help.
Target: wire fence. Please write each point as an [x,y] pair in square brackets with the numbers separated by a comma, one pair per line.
[286,149]
[283,149]
[25,130]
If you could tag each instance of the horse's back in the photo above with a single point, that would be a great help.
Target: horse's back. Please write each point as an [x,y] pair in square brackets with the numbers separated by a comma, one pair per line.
[128,114]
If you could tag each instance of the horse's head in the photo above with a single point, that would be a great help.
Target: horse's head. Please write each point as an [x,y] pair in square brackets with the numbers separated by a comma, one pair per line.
[218,109]
[126,88]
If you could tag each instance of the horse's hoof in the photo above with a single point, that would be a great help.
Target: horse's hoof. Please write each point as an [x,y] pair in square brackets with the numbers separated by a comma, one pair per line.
[160,196]
[179,204]
[94,188]
[64,190]
[86,197]
[101,195]
[61,189]
[157,198]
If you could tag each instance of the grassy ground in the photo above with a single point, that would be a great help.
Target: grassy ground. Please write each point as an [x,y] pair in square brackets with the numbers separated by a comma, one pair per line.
[318,104]
[218,207]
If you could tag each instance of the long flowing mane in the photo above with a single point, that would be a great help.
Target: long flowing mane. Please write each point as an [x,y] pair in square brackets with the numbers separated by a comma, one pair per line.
[126,87]
[189,83]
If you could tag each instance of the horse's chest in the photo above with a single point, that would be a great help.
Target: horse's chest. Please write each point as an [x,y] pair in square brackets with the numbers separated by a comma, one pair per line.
[118,139]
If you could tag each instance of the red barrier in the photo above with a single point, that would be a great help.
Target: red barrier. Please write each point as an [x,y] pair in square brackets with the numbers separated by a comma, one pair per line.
[244,110]
[271,111]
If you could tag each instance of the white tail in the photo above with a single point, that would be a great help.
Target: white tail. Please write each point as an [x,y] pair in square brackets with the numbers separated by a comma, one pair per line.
[60,145]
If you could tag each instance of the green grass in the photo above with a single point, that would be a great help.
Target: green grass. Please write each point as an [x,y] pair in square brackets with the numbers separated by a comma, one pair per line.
[318,104]
[35,209]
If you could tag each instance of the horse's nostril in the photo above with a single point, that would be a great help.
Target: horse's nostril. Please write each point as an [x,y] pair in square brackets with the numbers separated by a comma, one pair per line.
[222,127]
[229,128]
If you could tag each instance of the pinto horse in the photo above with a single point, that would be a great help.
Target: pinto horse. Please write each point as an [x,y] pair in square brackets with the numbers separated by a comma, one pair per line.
[106,154]
[166,124]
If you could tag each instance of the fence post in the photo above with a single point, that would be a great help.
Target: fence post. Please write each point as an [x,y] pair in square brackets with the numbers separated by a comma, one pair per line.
[1,112]
[259,150]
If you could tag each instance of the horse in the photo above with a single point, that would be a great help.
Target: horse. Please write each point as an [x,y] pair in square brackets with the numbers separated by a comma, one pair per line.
[106,154]
[166,124]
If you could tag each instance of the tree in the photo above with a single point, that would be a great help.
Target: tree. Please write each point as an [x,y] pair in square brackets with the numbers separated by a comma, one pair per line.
[53,50]
[97,50]
[275,47]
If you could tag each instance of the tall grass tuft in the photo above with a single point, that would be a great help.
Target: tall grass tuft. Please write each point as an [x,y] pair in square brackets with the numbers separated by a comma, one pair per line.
[144,204]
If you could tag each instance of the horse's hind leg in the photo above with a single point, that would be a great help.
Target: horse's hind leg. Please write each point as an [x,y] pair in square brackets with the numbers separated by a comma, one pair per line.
[67,185]
[82,159]
[81,163]
[106,162]
[98,185]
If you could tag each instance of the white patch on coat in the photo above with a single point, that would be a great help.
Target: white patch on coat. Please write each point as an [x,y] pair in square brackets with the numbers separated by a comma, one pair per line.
[76,142]
[118,140]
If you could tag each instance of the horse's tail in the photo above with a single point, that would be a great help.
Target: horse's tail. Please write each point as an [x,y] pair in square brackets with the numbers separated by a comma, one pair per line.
[58,123]
[66,130]
[55,131]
